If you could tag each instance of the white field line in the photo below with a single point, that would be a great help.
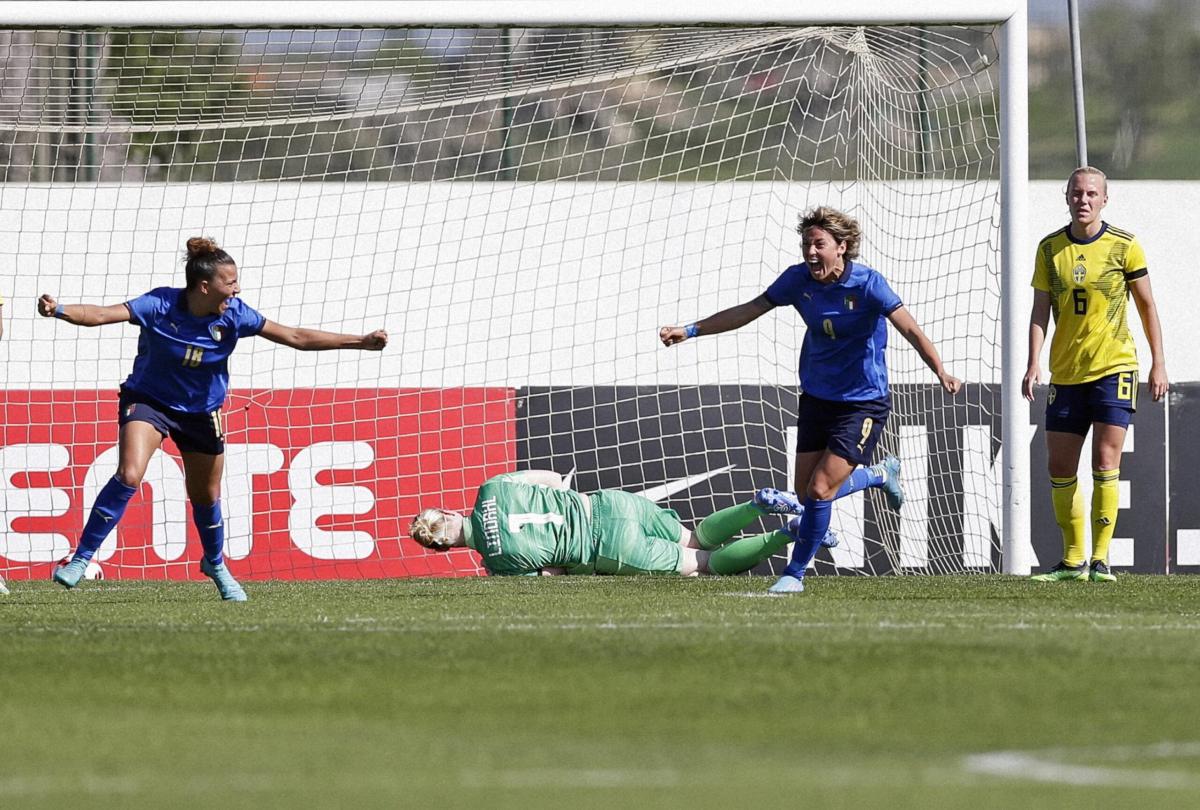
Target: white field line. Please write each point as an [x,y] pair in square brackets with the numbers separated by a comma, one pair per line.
[600,778]
[478,623]
[1047,765]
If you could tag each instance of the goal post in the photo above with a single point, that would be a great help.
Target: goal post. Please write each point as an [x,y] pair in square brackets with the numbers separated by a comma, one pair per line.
[521,193]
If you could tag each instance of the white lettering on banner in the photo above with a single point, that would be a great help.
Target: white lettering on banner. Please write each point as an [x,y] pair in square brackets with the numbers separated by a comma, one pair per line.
[168,504]
[981,505]
[242,463]
[314,501]
[914,517]
[21,502]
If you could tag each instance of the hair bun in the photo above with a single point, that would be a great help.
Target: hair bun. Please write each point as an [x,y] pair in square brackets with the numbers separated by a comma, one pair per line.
[201,245]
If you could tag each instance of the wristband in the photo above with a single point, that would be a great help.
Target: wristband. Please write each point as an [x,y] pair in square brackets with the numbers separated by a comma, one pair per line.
[58,311]
[691,330]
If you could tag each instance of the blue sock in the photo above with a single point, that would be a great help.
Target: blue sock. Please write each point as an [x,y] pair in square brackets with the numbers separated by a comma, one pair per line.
[211,528]
[813,526]
[860,479]
[106,514]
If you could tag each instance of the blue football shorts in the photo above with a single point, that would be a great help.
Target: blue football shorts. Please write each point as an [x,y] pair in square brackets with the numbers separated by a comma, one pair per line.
[191,432]
[1110,400]
[850,430]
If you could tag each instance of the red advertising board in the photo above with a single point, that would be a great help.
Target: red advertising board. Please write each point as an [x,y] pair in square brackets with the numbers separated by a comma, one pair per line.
[319,483]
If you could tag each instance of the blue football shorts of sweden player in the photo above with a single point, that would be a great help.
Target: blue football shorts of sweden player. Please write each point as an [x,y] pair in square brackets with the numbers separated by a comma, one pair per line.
[191,432]
[1110,400]
[848,429]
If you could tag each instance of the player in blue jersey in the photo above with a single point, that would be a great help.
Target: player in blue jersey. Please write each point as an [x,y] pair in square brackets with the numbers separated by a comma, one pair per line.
[177,387]
[844,401]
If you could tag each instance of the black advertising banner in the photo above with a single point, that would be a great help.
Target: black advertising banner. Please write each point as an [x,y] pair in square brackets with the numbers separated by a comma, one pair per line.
[702,448]
[1184,516]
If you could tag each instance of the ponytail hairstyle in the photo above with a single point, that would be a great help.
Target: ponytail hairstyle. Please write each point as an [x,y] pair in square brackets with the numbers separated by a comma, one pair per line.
[842,227]
[203,259]
[429,529]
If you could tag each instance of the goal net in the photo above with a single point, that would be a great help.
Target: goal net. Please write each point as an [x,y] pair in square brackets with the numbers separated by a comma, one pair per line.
[521,209]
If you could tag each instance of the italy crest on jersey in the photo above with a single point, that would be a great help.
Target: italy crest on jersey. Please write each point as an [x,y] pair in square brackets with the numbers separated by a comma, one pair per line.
[850,302]
[217,331]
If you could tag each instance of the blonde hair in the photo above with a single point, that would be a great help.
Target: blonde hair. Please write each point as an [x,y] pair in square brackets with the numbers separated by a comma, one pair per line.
[1093,171]
[841,227]
[429,529]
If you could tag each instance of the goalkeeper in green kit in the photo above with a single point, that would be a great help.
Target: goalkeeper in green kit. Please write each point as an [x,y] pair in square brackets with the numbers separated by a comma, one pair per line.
[529,523]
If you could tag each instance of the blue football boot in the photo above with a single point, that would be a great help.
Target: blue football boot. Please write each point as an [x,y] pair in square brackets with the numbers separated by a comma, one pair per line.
[893,490]
[70,574]
[787,584]
[778,502]
[230,590]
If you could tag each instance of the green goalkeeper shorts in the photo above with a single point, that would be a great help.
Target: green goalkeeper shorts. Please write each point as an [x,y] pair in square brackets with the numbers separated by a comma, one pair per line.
[633,535]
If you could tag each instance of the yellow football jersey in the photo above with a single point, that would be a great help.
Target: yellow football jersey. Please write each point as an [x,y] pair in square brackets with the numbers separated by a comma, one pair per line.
[1088,284]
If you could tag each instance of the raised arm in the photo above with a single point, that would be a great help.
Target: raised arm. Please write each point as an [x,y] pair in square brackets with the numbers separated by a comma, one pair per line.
[724,321]
[1039,320]
[1144,299]
[82,314]
[314,340]
[907,326]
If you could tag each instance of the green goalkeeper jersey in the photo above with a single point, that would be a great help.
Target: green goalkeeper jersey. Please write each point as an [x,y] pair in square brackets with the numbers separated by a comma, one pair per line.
[520,528]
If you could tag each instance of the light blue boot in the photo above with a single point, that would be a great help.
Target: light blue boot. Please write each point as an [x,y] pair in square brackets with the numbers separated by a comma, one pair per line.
[893,491]
[70,574]
[230,590]
[788,584]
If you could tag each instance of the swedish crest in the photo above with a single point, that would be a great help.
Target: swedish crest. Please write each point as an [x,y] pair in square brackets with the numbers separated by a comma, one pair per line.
[1079,273]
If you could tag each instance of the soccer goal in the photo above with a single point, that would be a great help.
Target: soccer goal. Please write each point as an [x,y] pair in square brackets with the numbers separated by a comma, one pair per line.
[521,194]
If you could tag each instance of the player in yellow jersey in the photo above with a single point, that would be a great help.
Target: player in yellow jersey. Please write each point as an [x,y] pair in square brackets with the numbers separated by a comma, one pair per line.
[1085,274]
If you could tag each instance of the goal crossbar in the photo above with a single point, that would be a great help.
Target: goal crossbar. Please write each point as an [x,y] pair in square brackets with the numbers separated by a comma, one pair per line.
[518,12]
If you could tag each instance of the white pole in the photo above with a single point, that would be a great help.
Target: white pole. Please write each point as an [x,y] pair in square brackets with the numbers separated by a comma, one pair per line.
[1081,150]
[1015,296]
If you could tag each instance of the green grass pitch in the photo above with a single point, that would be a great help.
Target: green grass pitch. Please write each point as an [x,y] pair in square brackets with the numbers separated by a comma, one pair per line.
[955,692]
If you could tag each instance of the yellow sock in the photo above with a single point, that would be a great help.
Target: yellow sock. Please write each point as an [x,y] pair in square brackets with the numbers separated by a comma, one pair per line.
[1068,514]
[1106,500]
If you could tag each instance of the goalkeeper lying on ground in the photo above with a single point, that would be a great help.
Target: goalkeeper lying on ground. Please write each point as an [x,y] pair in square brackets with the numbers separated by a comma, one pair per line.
[530,522]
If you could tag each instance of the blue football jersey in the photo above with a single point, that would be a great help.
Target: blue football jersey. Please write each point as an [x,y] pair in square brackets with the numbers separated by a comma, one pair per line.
[182,360]
[842,357]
